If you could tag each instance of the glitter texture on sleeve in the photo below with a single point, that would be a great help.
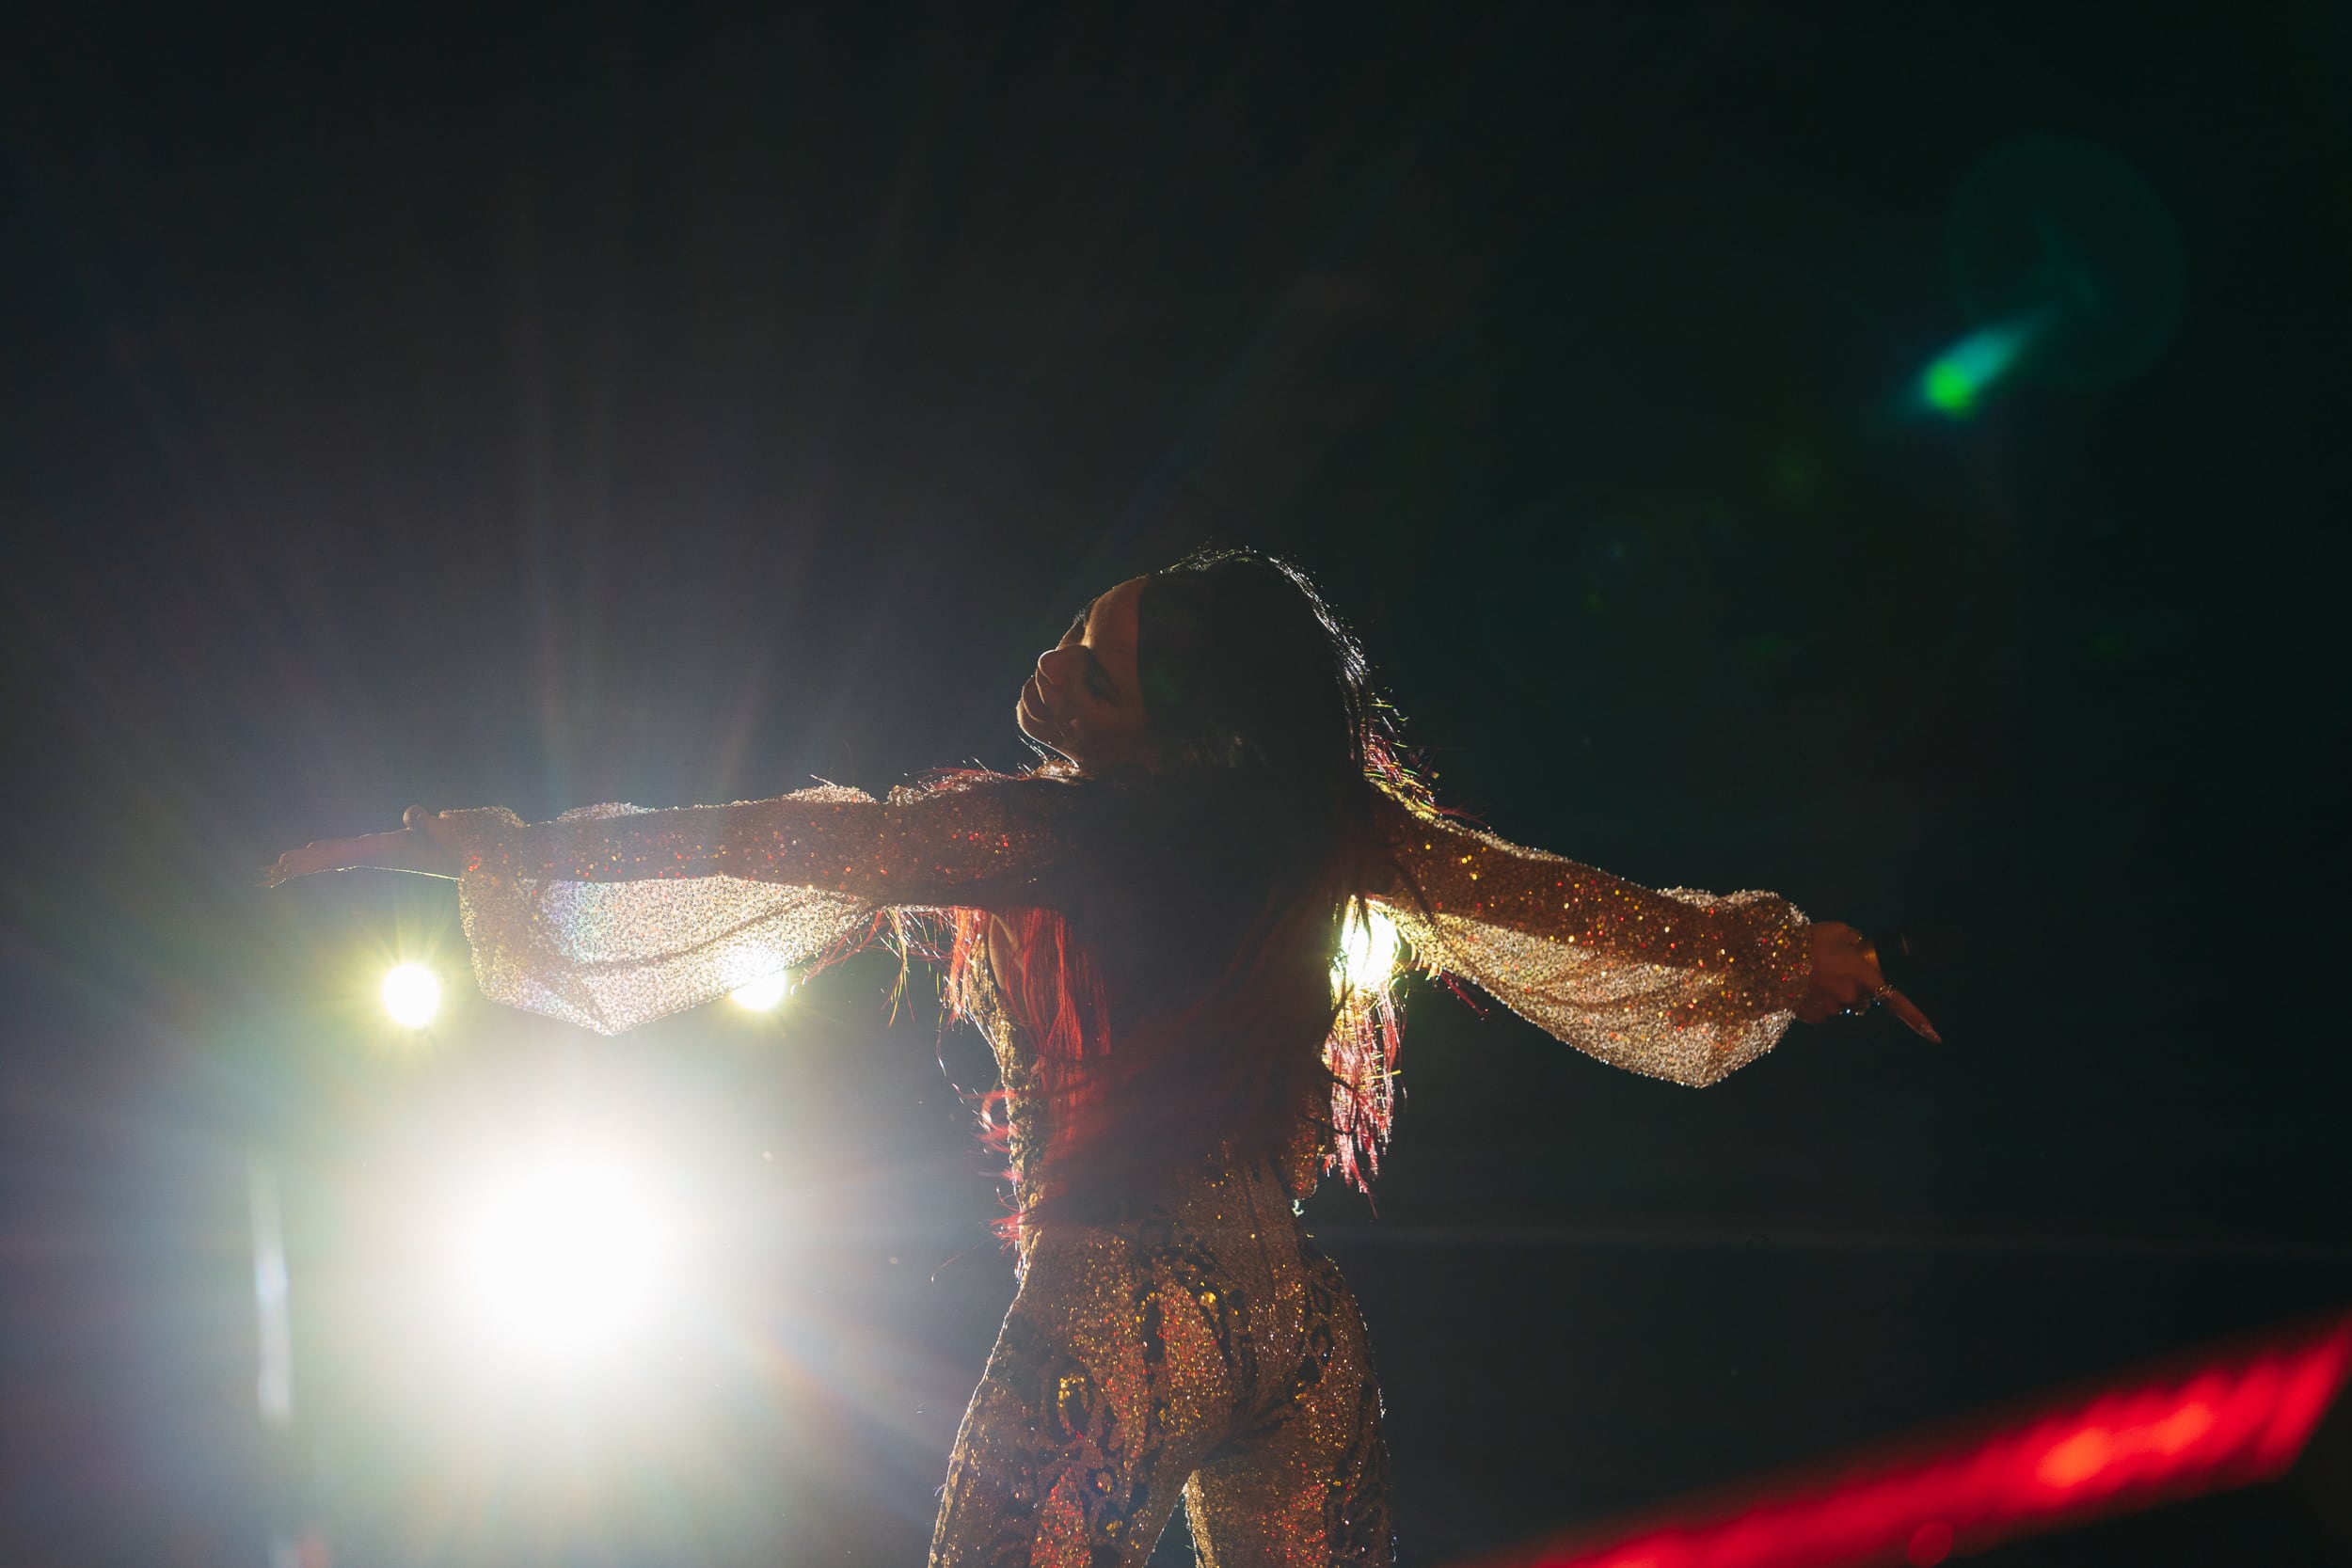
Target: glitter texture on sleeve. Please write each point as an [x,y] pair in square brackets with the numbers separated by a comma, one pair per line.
[613,916]
[1675,984]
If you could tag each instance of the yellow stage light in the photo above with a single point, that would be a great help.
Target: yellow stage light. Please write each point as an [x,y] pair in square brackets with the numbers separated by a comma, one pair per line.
[412,995]
[564,1256]
[764,993]
[1369,950]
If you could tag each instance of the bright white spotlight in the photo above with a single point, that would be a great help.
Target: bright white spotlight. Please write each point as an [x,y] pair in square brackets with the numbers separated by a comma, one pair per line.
[1369,948]
[763,993]
[564,1256]
[412,995]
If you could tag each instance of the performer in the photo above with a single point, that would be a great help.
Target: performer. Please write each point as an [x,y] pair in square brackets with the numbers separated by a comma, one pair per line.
[1146,925]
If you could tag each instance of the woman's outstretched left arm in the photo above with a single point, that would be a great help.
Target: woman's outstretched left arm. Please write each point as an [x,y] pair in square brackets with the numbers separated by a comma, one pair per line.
[425,843]
[923,850]
[613,916]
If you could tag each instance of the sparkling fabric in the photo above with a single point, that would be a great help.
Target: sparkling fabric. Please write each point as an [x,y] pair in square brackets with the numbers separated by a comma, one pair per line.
[1679,985]
[610,916]
[1204,1350]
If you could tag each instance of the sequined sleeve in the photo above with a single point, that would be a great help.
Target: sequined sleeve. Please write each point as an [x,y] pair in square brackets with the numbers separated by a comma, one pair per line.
[613,916]
[1675,984]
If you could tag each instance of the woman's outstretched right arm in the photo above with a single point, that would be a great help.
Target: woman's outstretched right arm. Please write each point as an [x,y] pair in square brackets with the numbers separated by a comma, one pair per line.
[1676,984]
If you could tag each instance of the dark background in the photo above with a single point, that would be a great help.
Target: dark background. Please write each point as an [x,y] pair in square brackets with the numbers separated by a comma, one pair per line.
[613,405]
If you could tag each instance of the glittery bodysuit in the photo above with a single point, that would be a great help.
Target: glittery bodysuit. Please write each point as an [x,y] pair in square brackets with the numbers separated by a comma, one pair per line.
[1201,1346]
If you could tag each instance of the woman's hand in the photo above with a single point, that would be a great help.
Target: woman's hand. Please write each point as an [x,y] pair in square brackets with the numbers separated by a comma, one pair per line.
[1846,979]
[426,843]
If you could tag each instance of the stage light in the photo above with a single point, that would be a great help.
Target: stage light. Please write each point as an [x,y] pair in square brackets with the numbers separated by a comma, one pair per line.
[1369,950]
[764,993]
[412,995]
[564,1256]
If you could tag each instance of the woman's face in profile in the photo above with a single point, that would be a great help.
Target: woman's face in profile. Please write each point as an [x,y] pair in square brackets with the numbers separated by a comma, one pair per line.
[1084,701]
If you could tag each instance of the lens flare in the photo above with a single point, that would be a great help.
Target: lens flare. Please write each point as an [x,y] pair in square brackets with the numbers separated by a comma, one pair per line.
[564,1256]
[412,995]
[1369,950]
[2238,1417]
[763,994]
[1962,374]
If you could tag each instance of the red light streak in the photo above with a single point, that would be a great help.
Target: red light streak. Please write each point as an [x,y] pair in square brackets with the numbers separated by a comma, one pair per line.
[2237,1419]
[1931,1544]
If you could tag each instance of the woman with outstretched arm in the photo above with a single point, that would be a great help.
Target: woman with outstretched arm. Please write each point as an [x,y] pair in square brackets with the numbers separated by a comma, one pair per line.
[1146,926]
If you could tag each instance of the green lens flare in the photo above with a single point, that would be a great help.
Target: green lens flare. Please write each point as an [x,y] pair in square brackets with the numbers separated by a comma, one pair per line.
[1950,388]
[1962,374]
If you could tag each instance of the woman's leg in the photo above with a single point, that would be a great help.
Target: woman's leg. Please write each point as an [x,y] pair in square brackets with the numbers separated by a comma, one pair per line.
[1306,1484]
[1112,1378]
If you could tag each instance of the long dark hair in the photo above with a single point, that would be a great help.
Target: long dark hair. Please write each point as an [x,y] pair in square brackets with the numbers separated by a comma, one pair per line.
[1262,840]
